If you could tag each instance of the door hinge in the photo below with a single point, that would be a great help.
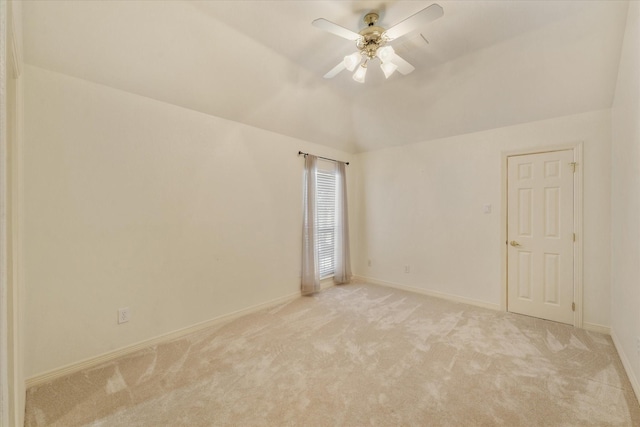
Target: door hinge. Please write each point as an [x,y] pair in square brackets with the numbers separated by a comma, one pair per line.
[573,166]
[574,237]
[573,306]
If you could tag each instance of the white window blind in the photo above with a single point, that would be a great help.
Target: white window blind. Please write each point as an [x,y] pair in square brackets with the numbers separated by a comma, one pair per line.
[326,198]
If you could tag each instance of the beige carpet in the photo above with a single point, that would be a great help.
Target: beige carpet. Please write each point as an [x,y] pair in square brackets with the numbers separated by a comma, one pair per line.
[356,355]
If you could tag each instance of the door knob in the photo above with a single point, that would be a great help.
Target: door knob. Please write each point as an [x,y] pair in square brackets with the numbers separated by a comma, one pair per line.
[514,243]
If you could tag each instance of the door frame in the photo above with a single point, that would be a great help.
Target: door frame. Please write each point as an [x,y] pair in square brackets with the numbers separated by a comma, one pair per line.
[12,390]
[577,148]
[4,317]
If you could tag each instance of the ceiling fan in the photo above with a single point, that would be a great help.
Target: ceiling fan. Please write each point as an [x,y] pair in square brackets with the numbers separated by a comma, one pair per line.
[373,42]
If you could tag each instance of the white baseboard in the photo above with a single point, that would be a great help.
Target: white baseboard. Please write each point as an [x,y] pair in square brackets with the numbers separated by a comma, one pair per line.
[585,325]
[430,293]
[594,327]
[327,283]
[627,365]
[111,355]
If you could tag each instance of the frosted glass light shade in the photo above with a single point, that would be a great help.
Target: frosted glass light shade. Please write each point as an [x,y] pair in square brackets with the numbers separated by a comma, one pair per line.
[352,61]
[385,53]
[360,73]
[388,68]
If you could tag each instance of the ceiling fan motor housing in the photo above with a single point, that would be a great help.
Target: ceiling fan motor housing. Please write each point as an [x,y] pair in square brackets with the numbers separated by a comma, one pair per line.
[371,40]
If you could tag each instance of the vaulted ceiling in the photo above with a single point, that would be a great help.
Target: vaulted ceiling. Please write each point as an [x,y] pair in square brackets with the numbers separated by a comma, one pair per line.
[487,64]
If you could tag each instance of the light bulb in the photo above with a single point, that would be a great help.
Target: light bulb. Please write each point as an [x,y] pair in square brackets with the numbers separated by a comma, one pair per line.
[360,73]
[385,53]
[388,68]
[351,61]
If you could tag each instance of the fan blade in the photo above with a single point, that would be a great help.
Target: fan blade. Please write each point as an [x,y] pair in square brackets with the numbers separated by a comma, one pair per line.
[403,66]
[415,21]
[335,70]
[336,29]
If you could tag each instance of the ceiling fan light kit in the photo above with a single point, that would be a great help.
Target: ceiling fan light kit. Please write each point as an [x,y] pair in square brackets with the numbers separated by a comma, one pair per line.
[386,54]
[360,73]
[350,61]
[388,68]
[372,40]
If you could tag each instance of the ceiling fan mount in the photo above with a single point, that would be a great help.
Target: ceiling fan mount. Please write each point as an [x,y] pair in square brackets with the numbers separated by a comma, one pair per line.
[372,42]
[371,18]
[372,36]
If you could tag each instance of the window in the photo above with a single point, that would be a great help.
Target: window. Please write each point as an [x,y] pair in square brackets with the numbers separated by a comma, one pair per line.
[326,220]
[325,227]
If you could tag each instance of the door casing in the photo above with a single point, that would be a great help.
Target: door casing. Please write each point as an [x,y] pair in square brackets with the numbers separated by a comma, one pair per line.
[577,148]
[12,386]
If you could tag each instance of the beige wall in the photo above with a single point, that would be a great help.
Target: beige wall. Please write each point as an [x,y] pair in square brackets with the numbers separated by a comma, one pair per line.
[625,287]
[131,202]
[422,206]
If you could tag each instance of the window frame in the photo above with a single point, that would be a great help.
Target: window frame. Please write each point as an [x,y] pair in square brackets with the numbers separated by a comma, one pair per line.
[326,218]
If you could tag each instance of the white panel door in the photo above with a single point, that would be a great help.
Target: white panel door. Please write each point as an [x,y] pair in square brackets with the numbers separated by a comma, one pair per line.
[540,227]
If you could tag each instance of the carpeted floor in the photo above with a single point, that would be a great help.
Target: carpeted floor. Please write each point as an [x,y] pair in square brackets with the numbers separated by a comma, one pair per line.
[356,355]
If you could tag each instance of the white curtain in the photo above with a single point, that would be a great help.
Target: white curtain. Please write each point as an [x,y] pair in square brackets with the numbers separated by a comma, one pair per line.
[342,272]
[310,271]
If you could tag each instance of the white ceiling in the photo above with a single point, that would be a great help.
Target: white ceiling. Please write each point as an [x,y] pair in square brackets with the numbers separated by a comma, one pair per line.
[488,64]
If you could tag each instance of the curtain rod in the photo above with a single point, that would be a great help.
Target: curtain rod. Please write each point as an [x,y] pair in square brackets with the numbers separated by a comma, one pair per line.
[325,158]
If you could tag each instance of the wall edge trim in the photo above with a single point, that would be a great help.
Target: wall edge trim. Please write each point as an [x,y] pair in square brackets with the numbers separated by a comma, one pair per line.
[436,294]
[594,327]
[91,362]
[626,363]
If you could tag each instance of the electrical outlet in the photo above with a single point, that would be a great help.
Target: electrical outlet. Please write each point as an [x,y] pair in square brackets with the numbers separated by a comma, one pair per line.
[369,263]
[407,269]
[124,315]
